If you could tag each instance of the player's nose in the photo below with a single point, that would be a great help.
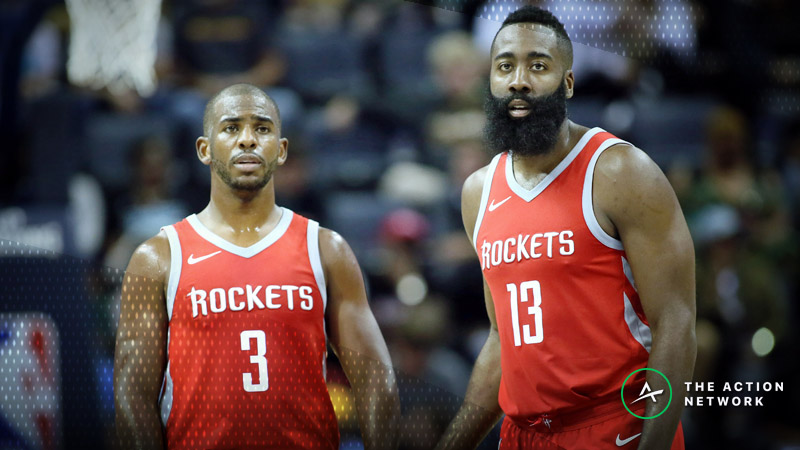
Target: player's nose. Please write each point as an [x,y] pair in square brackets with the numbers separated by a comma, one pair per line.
[247,138]
[520,82]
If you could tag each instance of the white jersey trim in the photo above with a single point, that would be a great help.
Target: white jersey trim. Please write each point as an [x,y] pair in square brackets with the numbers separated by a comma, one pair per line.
[487,187]
[244,252]
[638,329]
[529,195]
[175,264]
[587,200]
[166,397]
[312,237]
[626,269]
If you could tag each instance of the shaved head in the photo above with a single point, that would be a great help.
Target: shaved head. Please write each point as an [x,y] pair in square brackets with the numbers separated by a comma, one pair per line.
[234,91]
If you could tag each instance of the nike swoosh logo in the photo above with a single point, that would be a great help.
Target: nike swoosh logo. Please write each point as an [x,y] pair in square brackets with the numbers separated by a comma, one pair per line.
[621,442]
[193,260]
[493,205]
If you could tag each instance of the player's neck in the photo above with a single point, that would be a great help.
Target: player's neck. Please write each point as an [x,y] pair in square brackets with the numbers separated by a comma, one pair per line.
[235,212]
[532,167]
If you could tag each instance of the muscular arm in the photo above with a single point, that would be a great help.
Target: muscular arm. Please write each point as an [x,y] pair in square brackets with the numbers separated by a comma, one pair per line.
[633,195]
[480,410]
[358,343]
[140,355]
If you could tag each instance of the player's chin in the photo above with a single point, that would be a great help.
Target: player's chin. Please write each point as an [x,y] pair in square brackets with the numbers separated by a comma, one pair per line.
[249,183]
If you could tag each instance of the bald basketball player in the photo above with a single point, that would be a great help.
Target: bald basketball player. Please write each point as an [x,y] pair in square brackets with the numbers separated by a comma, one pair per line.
[226,315]
[588,268]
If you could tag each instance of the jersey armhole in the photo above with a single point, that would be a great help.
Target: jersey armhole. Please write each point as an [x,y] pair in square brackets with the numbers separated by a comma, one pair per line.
[588,202]
[312,237]
[175,263]
[487,187]
[312,240]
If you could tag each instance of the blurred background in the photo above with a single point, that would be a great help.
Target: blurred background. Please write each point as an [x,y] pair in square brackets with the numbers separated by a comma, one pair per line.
[382,104]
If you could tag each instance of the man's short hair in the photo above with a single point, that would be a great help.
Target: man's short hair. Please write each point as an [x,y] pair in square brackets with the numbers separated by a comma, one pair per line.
[535,15]
[236,89]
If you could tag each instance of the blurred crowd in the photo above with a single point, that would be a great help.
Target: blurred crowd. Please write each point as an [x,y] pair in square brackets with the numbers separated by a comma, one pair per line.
[382,103]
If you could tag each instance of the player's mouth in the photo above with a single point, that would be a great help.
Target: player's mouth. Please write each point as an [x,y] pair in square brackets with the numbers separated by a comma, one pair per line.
[247,163]
[518,108]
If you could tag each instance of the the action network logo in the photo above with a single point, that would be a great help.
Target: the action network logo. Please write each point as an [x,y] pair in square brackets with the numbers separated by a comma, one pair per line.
[647,393]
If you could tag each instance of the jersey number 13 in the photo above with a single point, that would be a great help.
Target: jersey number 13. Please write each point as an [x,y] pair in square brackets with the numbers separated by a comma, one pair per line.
[526,290]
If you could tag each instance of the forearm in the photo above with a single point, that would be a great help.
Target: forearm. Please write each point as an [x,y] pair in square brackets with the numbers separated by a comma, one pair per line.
[673,354]
[375,390]
[137,417]
[138,374]
[139,427]
[480,410]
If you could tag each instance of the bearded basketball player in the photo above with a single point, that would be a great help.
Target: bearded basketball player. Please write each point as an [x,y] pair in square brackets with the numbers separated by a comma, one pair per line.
[588,268]
[226,316]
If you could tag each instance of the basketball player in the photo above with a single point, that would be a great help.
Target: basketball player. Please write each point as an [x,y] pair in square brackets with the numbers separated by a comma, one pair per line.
[588,267]
[222,336]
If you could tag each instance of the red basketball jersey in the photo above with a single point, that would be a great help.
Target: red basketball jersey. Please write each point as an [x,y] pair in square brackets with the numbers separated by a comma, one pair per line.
[570,322]
[246,341]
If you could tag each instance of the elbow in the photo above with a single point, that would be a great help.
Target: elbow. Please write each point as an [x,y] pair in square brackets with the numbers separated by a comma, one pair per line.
[675,328]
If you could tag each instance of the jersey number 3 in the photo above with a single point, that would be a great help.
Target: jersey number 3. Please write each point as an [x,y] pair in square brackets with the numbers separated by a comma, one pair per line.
[526,289]
[259,358]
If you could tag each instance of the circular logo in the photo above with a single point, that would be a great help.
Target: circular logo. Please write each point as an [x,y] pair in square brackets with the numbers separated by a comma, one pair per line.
[646,392]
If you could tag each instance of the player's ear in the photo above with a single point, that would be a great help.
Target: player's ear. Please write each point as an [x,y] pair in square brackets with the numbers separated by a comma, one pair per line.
[203,150]
[569,79]
[283,151]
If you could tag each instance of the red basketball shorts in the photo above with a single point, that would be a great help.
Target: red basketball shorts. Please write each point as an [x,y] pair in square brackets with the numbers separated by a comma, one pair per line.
[616,430]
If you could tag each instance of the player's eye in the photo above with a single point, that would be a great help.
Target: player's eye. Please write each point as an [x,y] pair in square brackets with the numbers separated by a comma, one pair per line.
[262,129]
[538,66]
[505,67]
[231,128]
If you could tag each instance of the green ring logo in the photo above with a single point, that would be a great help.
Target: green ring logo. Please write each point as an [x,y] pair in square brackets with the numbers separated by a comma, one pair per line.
[622,393]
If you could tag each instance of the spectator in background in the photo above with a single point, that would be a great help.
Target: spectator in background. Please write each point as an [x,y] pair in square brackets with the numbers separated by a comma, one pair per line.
[731,177]
[294,186]
[459,75]
[149,203]
[216,41]
[789,166]
[459,70]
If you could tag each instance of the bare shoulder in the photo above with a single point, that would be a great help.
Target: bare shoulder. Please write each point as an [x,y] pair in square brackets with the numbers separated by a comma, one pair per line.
[473,185]
[151,259]
[627,180]
[345,284]
[334,249]
[471,198]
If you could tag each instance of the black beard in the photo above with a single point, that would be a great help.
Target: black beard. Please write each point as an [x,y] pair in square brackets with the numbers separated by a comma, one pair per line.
[224,173]
[534,134]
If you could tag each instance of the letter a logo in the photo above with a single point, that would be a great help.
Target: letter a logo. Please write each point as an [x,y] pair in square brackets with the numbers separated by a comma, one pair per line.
[650,393]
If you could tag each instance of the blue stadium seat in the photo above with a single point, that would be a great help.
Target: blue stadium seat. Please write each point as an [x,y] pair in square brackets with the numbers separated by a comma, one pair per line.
[357,217]
[673,128]
[403,57]
[352,158]
[54,145]
[323,64]
[587,111]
